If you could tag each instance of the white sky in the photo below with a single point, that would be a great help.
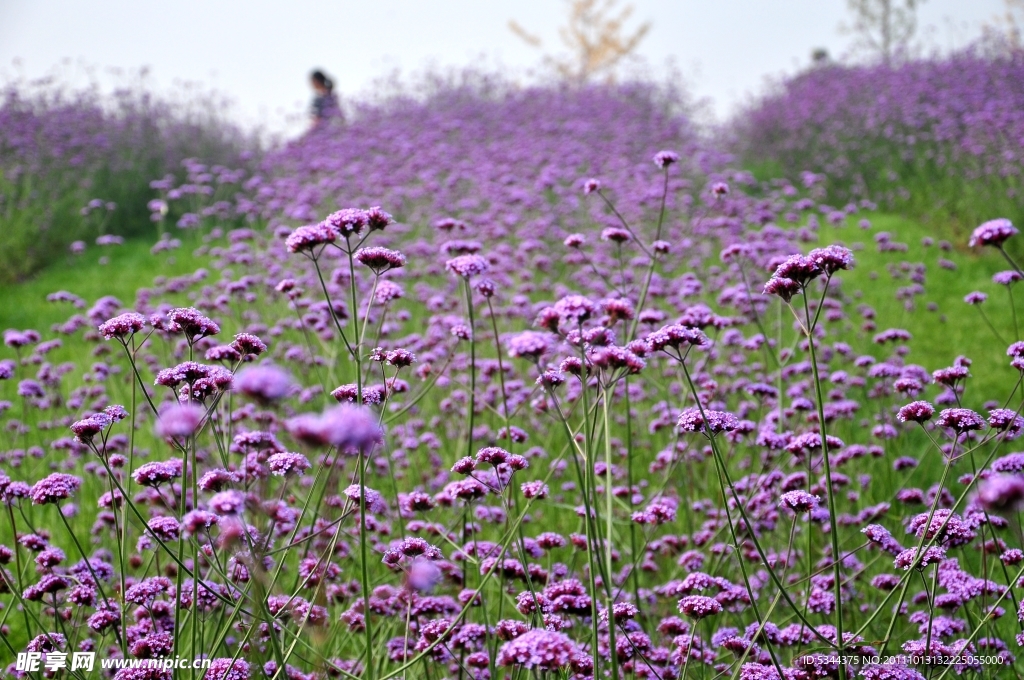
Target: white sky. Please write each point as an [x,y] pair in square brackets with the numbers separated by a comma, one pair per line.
[259,52]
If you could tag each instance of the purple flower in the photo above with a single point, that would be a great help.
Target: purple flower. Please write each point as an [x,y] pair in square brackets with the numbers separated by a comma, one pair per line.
[350,428]
[349,221]
[248,345]
[157,472]
[179,421]
[286,463]
[663,159]
[783,287]
[308,238]
[467,266]
[377,219]
[676,336]
[1001,493]
[1006,278]
[699,606]
[373,500]
[380,260]
[227,669]
[122,326]
[192,323]
[541,649]
[165,528]
[992,233]
[88,428]
[797,268]
[831,259]
[54,488]
[916,412]
[265,383]
[960,419]
[909,558]
[799,501]
[229,502]
[711,423]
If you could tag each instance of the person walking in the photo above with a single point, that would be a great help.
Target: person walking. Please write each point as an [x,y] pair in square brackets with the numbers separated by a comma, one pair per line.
[325,107]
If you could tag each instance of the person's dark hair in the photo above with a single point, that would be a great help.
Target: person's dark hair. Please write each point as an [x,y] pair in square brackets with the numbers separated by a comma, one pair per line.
[322,80]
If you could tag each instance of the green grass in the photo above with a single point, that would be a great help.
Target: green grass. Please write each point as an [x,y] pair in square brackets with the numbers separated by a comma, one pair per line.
[129,267]
[954,328]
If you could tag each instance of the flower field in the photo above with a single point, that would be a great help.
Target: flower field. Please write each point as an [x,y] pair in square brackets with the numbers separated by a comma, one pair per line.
[516,383]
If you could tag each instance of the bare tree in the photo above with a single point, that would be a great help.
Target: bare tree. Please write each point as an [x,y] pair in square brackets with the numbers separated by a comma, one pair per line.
[595,38]
[882,27]
[1009,24]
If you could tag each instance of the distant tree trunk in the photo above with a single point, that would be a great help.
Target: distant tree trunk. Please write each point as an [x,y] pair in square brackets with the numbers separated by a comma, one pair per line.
[595,39]
[881,27]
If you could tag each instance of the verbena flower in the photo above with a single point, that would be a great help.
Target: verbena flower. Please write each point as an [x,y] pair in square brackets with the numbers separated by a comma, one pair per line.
[538,649]
[992,233]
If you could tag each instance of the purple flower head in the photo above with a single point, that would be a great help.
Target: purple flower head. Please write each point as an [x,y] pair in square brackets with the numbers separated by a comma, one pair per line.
[1007,420]
[192,323]
[909,558]
[831,259]
[227,503]
[538,649]
[467,266]
[265,383]
[351,428]
[157,472]
[782,287]
[54,488]
[380,260]
[227,668]
[663,159]
[423,575]
[615,235]
[1001,493]
[115,412]
[975,298]
[87,428]
[719,189]
[710,424]
[916,412]
[122,326]
[574,240]
[377,219]
[400,358]
[798,268]
[960,419]
[992,233]
[1006,278]
[179,421]
[165,528]
[374,501]
[528,344]
[307,239]
[287,463]
[699,606]
[348,221]
[677,336]
[571,310]
[799,501]
[591,185]
[248,345]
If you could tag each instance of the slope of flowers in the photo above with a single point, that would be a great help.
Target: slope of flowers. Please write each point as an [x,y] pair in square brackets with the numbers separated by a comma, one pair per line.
[78,165]
[584,404]
[939,136]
